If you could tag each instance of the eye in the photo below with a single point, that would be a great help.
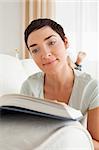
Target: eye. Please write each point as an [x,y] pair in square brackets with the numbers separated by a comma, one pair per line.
[34,51]
[52,42]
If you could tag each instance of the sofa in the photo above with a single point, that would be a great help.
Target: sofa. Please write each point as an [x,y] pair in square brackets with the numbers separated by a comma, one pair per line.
[26,132]
[13,72]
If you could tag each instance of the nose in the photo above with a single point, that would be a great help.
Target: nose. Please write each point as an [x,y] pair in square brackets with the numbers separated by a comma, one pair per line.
[46,54]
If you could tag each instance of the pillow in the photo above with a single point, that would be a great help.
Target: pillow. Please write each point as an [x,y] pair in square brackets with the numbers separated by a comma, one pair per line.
[12,74]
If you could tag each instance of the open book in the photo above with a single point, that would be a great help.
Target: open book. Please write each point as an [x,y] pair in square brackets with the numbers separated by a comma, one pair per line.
[38,106]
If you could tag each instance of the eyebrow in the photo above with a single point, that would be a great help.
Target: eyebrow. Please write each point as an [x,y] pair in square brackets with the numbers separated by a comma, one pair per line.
[49,37]
[32,45]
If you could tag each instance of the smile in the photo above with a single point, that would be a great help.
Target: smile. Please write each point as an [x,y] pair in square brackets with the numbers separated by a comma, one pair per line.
[51,62]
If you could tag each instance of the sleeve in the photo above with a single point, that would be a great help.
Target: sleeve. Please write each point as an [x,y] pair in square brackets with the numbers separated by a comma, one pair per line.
[90,97]
[26,89]
[94,95]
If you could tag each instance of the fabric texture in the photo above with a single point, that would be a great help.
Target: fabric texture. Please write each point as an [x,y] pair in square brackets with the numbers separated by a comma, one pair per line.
[85,93]
[28,132]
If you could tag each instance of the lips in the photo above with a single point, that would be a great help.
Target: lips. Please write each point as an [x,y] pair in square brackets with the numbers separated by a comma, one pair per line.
[50,62]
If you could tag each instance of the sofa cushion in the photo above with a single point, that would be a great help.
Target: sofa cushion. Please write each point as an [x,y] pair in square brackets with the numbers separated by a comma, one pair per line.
[12,74]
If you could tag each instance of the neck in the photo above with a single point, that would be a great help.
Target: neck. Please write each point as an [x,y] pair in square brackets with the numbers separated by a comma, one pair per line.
[61,78]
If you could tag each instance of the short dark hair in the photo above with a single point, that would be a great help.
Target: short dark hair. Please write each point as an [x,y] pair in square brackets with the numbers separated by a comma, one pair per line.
[41,22]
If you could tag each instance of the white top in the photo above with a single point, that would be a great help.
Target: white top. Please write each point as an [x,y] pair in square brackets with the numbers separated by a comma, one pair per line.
[85,93]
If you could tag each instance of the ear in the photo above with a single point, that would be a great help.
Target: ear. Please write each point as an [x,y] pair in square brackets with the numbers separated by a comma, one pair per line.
[66,42]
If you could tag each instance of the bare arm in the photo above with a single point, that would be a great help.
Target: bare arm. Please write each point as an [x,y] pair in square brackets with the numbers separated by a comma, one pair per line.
[93,126]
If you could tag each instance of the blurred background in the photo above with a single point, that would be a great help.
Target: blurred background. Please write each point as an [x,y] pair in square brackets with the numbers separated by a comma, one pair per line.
[79,18]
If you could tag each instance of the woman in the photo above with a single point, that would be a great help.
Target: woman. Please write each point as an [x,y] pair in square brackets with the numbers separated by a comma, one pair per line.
[47,44]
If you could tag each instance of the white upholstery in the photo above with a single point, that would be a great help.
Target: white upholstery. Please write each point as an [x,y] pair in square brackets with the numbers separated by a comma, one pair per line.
[21,132]
[13,72]
[29,132]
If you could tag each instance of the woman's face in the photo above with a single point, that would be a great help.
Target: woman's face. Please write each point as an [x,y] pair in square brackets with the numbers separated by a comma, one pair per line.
[47,49]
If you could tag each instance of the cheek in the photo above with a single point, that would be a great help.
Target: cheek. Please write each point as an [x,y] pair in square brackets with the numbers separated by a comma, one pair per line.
[60,50]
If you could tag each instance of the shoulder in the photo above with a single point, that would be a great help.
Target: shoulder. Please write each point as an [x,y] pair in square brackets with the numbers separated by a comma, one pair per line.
[35,77]
[81,74]
[85,81]
[33,83]
[82,78]
[89,89]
